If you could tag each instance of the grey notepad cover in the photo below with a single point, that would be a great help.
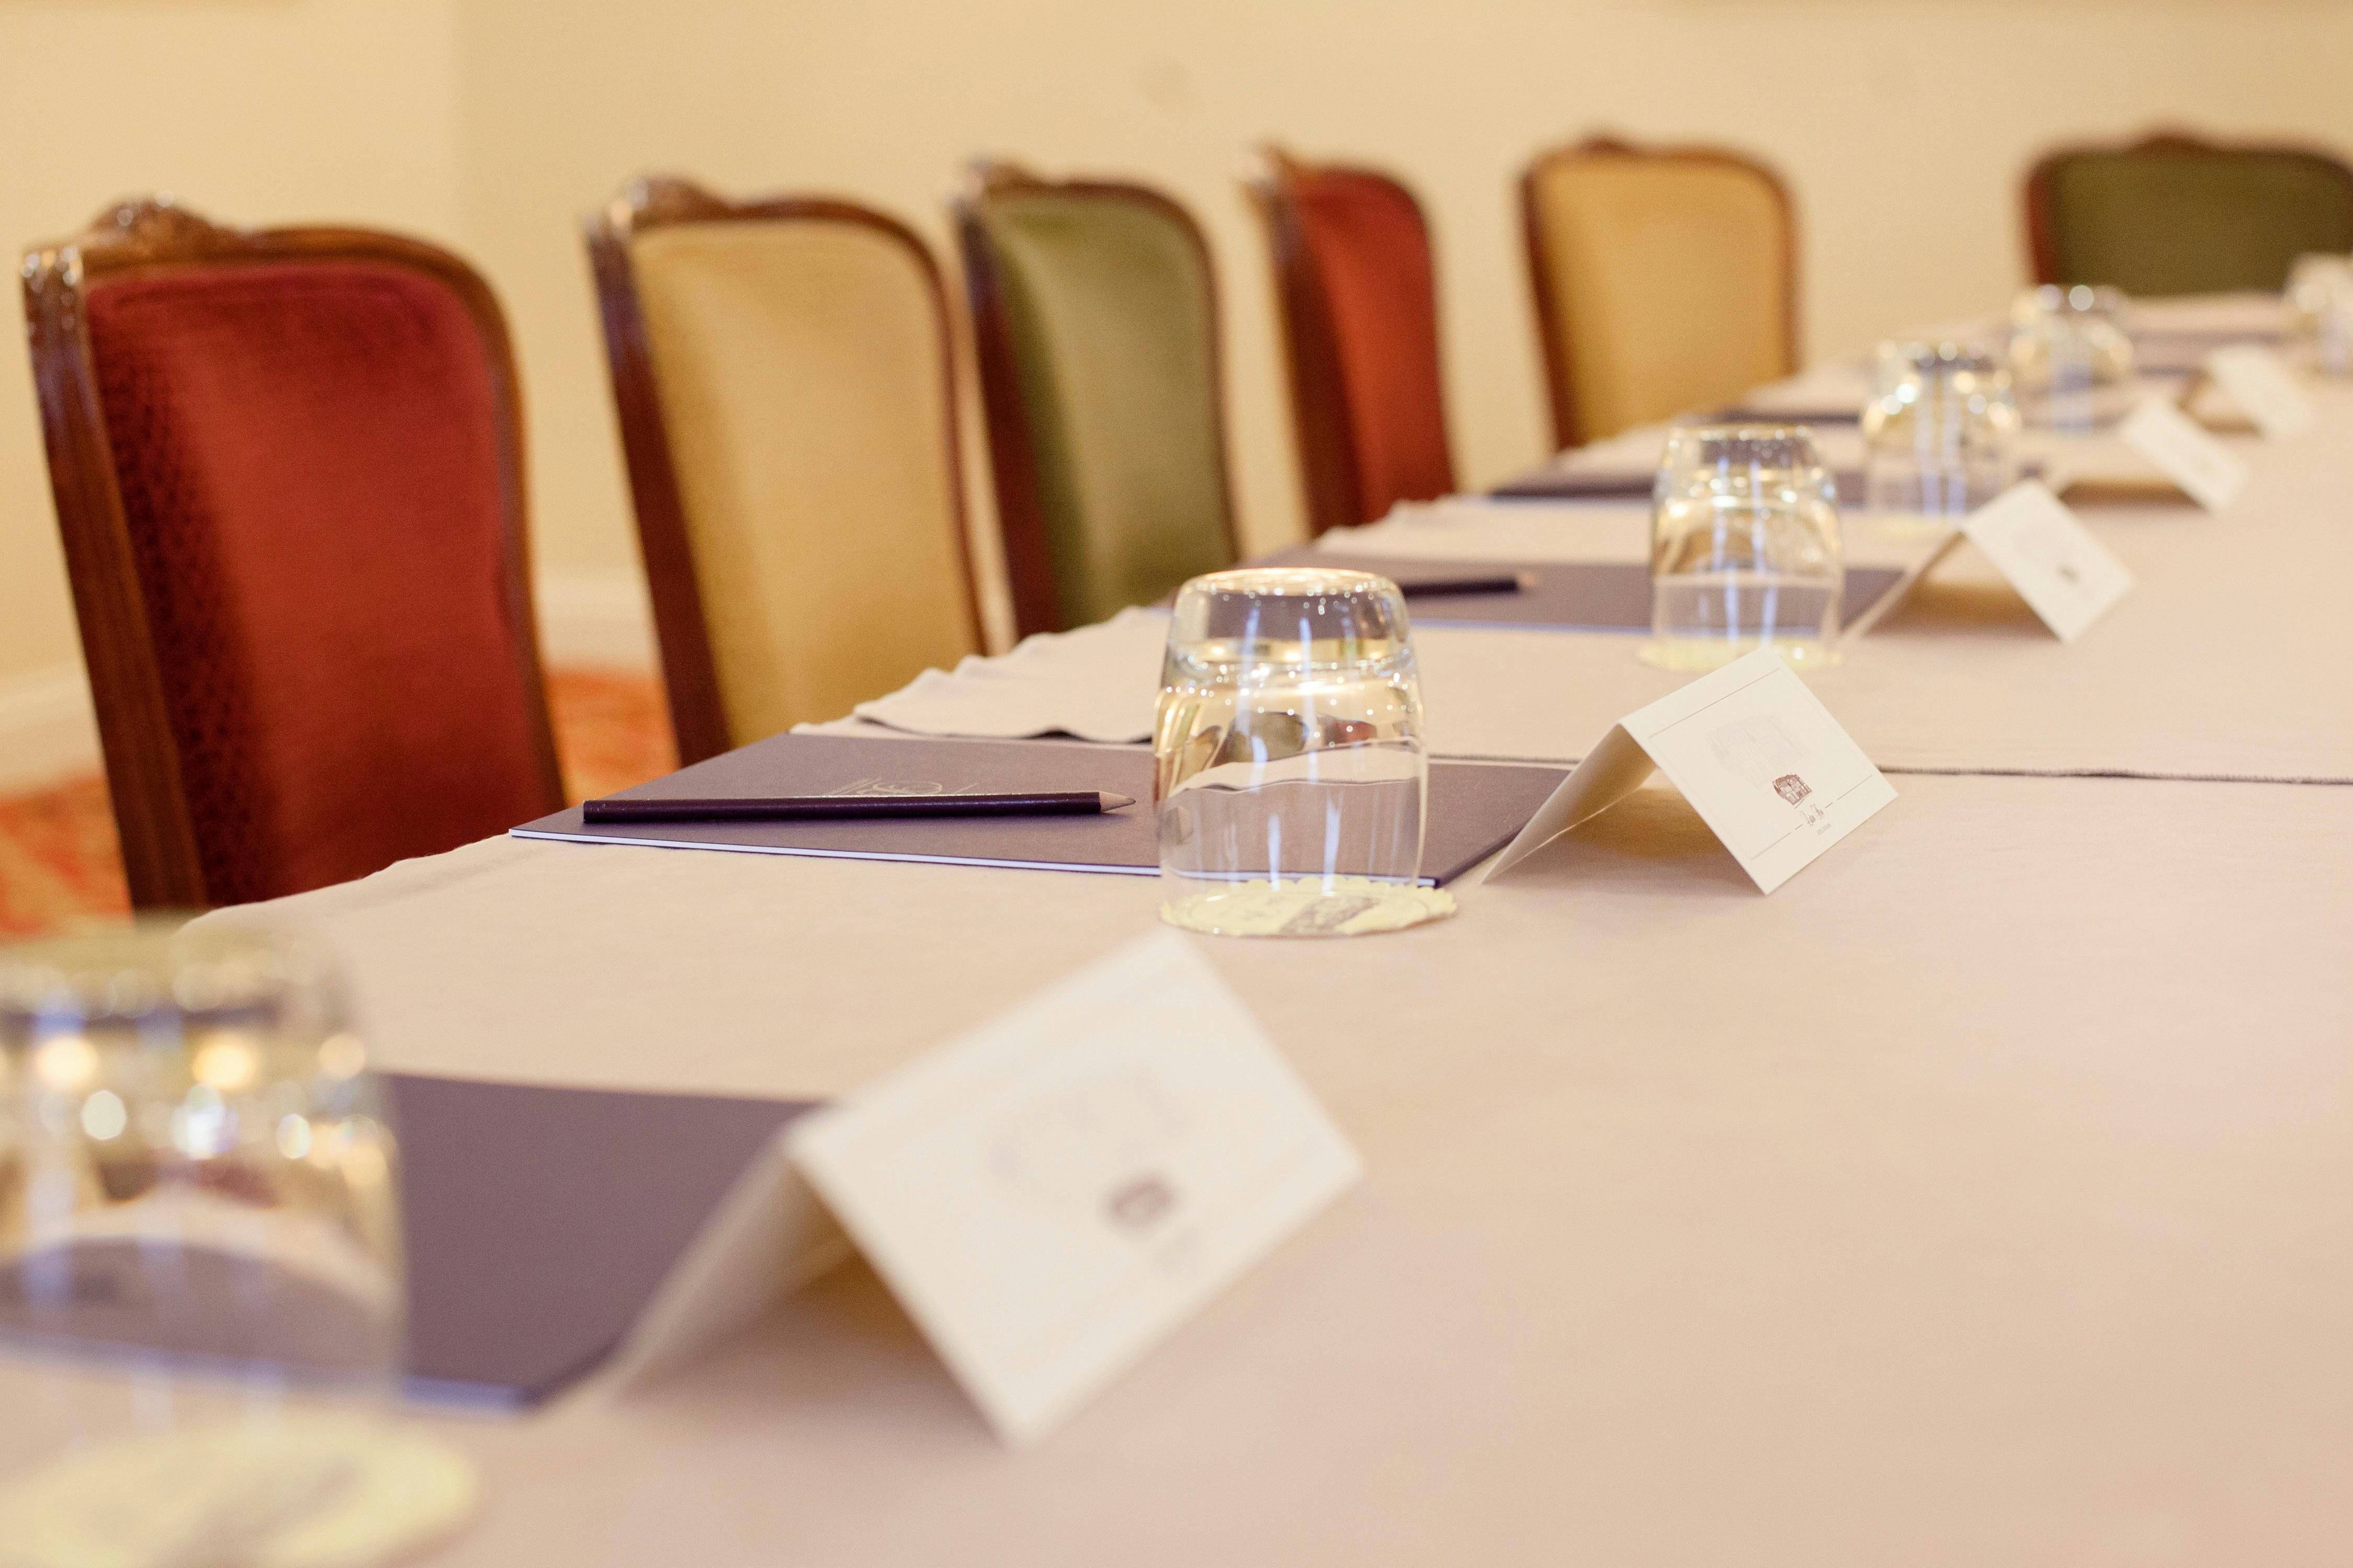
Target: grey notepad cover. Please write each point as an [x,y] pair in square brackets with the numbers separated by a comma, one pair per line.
[1580,595]
[1586,484]
[1473,810]
[540,1221]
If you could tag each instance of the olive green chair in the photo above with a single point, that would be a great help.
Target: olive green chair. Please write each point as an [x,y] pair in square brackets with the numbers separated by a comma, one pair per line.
[1095,314]
[2173,214]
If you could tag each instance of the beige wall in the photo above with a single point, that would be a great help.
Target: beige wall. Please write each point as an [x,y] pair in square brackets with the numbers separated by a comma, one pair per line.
[496,122]
[252,111]
[1904,128]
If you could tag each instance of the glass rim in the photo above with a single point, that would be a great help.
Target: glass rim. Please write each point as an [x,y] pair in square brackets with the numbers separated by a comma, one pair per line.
[130,970]
[1741,430]
[1290,582]
[2076,298]
[1941,353]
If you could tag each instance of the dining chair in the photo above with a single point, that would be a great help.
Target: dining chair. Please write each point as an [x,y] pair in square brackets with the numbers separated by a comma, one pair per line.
[2175,214]
[1094,311]
[1665,278]
[786,391]
[288,468]
[1358,300]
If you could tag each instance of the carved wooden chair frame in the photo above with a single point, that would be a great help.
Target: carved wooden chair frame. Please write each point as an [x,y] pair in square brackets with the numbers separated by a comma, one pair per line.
[142,238]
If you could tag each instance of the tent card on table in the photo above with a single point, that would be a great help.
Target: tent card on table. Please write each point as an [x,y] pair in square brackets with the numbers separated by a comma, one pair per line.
[1754,752]
[2067,577]
[1048,1196]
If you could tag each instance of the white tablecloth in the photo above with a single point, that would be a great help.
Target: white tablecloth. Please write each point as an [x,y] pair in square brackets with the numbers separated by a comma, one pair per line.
[1984,1195]
[2232,658]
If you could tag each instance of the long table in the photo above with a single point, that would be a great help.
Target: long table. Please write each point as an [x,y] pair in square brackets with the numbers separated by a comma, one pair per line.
[1984,1195]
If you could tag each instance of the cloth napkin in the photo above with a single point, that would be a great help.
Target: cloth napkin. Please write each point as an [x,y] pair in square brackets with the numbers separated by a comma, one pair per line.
[1097,683]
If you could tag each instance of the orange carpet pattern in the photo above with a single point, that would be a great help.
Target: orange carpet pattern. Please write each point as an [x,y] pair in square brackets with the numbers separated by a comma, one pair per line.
[58,864]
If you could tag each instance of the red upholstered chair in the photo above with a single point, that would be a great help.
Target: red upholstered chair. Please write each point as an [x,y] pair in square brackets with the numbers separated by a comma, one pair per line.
[288,470]
[1359,304]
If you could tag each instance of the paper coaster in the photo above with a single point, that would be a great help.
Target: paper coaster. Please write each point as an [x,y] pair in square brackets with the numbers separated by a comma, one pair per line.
[1344,905]
[297,1491]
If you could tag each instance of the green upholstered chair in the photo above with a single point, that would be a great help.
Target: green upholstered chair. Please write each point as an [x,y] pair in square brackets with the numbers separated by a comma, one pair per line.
[2173,214]
[1095,313]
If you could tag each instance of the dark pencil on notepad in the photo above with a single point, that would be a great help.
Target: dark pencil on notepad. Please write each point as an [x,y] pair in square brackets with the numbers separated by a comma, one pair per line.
[1499,582]
[837,808]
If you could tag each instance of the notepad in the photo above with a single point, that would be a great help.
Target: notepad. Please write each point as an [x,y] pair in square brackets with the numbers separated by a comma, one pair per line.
[540,1221]
[1473,808]
[1574,595]
[1582,484]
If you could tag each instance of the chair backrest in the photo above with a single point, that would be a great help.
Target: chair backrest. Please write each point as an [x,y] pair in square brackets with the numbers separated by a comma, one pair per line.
[289,477]
[2174,215]
[1095,314]
[1358,295]
[787,404]
[1666,281]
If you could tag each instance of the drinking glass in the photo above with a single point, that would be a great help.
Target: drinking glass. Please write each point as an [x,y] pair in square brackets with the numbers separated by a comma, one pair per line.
[200,1262]
[2320,301]
[1290,769]
[2071,357]
[1941,436]
[1745,548]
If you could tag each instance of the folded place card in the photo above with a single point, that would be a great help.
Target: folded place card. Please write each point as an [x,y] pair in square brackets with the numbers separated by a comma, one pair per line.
[1755,753]
[2264,388]
[1048,1196]
[2067,577]
[2185,452]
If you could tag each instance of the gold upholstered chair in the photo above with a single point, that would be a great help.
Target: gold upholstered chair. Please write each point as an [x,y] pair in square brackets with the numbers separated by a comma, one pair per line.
[1666,281]
[786,385]
[1096,318]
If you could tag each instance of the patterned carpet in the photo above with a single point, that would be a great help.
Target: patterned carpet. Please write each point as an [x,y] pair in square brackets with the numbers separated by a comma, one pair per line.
[58,857]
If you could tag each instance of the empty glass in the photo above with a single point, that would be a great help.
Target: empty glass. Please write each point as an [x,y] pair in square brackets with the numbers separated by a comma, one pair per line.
[2071,357]
[2320,303]
[1291,772]
[200,1262]
[1745,548]
[1940,436]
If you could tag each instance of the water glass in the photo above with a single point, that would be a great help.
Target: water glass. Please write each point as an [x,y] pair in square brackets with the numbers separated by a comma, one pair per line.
[201,1294]
[1940,436]
[1745,548]
[2071,357]
[2320,303]
[1290,768]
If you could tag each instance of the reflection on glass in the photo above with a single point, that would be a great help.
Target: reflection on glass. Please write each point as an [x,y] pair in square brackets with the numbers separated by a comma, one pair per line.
[1745,548]
[200,1255]
[2071,357]
[1940,434]
[1290,763]
[2320,303]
